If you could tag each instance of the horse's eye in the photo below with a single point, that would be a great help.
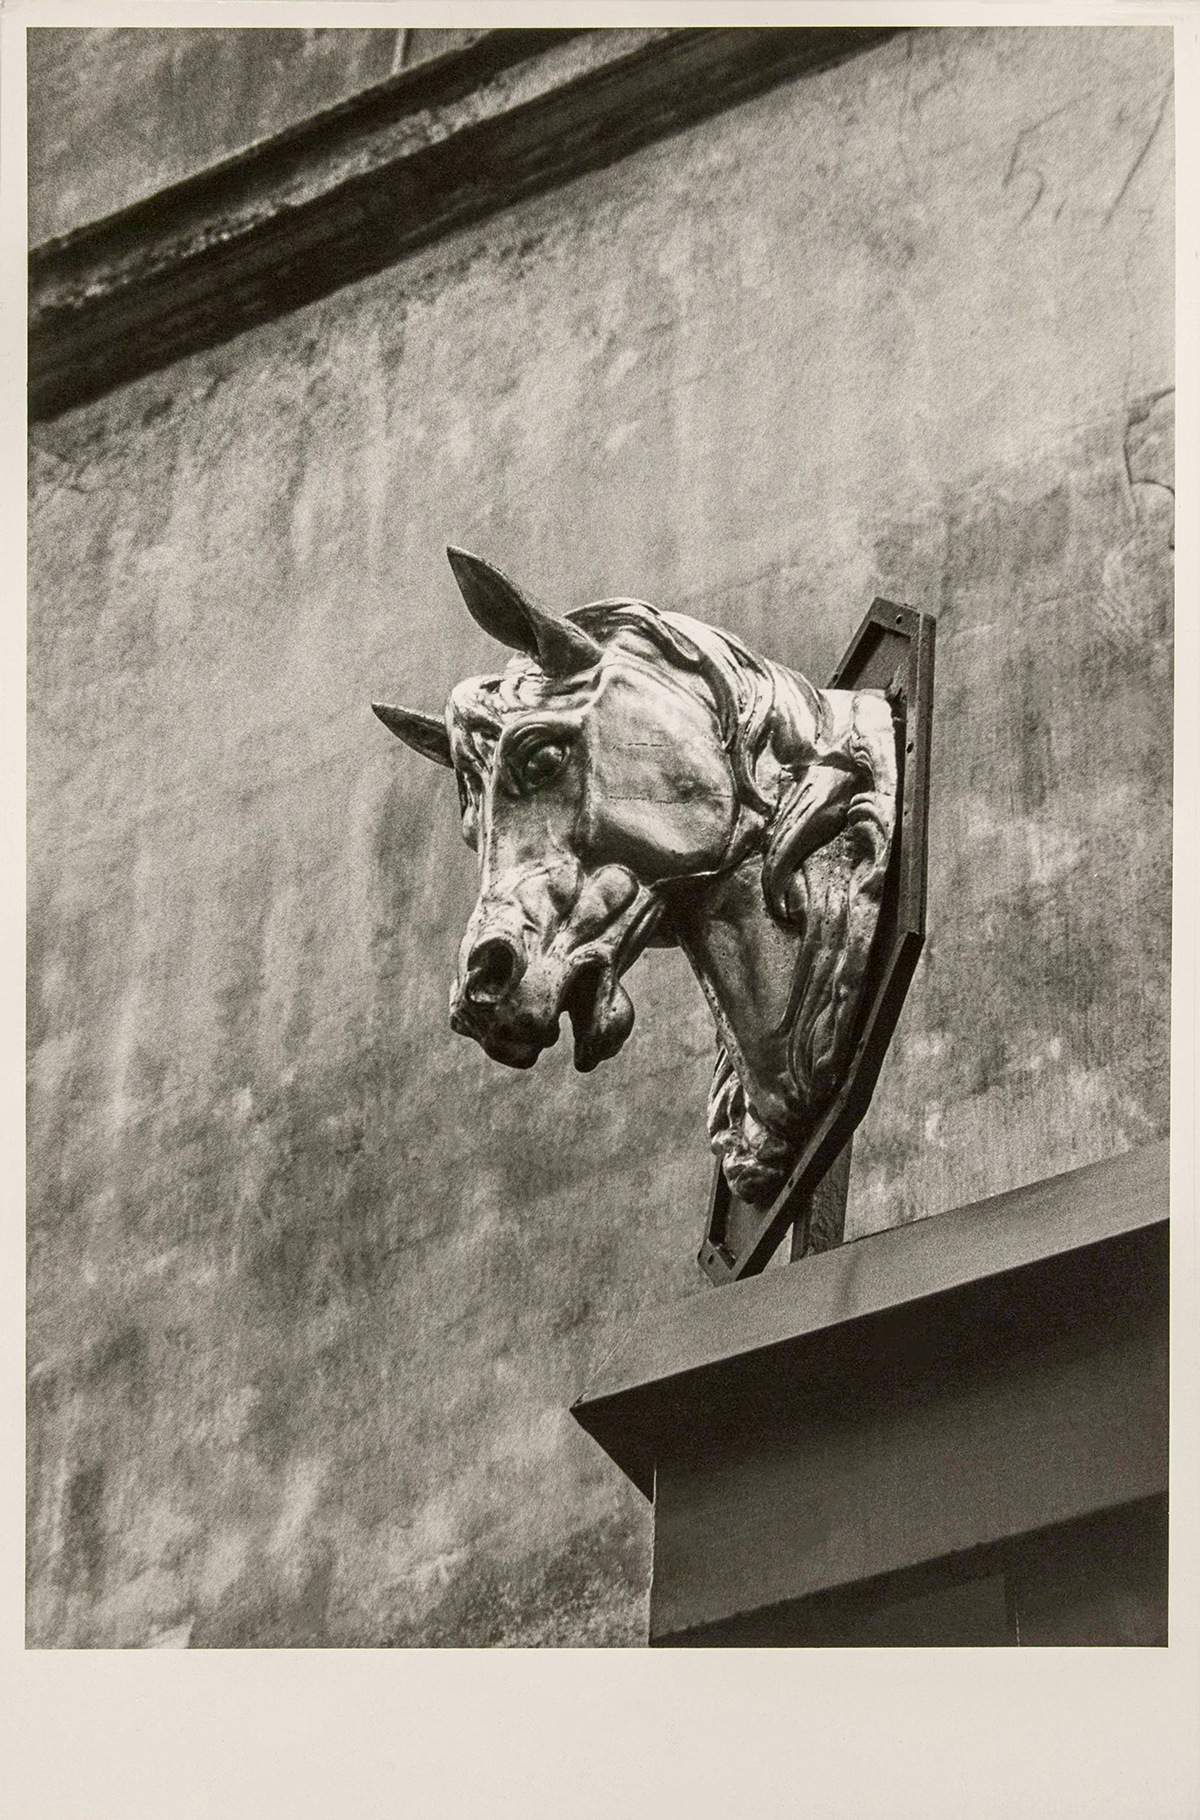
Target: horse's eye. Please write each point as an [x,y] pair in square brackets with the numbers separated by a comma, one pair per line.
[541,765]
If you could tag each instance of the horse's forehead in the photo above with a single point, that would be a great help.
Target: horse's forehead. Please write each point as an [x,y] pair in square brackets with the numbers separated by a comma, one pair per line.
[480,706]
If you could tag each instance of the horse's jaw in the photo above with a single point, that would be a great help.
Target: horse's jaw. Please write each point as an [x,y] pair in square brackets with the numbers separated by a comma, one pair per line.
[601,1014]
[600,1009]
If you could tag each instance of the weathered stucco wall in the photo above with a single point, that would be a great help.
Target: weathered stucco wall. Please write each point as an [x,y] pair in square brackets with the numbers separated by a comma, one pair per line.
[313,1282]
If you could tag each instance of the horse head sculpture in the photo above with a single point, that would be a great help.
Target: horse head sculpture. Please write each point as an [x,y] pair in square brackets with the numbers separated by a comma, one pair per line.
[636,777]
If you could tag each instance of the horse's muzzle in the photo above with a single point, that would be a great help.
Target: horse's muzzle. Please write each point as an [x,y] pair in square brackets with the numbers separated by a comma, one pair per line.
[511,1000]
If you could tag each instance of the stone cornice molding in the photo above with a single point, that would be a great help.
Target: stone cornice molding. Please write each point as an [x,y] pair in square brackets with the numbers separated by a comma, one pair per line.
[354,189]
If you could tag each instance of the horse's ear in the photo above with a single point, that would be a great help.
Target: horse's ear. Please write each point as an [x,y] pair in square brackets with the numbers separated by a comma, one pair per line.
[423,732]
[506,614]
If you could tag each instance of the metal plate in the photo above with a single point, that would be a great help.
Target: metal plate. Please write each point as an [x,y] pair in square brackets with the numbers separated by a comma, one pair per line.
[893,651]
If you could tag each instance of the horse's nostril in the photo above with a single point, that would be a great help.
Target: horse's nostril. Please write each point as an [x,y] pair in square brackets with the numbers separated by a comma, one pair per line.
[493,968]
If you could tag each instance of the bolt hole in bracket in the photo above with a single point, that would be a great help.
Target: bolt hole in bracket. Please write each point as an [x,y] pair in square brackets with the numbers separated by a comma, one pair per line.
[892,651]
